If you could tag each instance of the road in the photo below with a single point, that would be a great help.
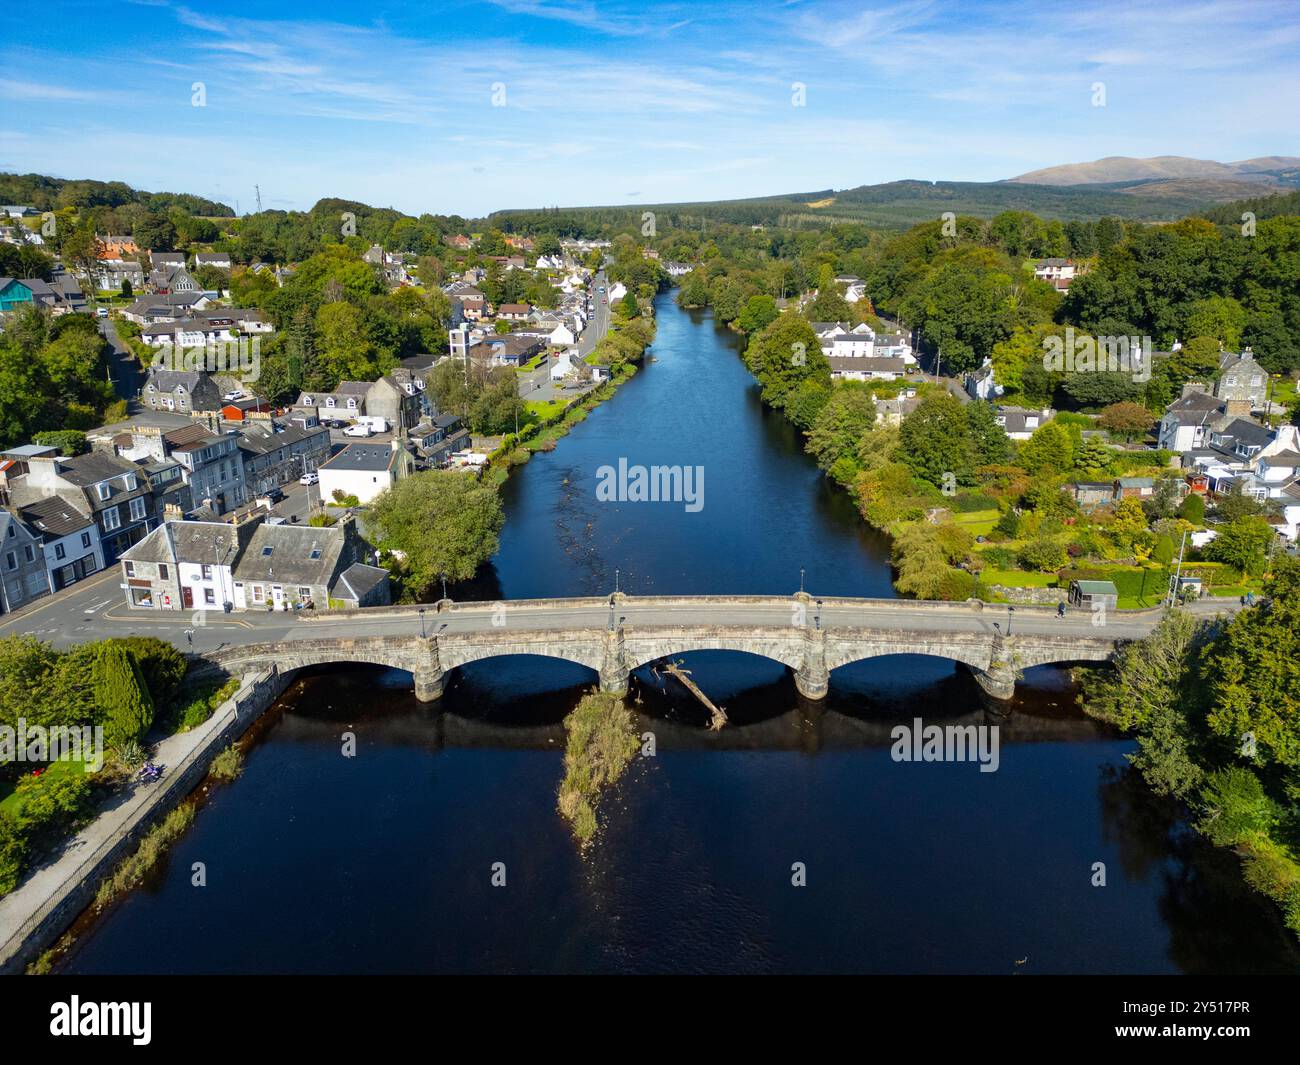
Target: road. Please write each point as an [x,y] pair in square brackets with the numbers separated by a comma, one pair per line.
[535,386]
[124,368]
[95,609]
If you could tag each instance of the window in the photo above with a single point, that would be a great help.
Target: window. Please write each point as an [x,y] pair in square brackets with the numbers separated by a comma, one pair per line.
[259,593]
[105,490]
[266,551]
[59,552]
[131,482]
[207,573]
[209,596]
[129,567]
[304,593]
[31,555]
[163,572]
[85,539]
[11,560]
[112,519]
[137,508]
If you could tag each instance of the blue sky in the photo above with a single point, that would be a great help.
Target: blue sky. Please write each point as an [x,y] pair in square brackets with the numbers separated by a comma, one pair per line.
[615,102]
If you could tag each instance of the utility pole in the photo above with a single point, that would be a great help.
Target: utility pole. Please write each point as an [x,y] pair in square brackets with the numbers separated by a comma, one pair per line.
[257,189]
[1173,583]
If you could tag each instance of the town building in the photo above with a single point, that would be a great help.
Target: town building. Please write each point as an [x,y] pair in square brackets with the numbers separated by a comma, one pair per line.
[364,471]
[23,576]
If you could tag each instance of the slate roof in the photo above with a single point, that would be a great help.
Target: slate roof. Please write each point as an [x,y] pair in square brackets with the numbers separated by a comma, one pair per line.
[55,517]
[358,580]
[284,554]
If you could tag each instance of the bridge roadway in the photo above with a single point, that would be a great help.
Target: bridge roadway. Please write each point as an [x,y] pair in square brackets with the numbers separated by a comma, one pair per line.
[618,634]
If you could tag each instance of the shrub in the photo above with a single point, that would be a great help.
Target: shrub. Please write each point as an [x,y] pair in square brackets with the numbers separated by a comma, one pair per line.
[1236,809]
[1043,554]
[121,694]
[52,803]
[13,852]
[228,764]
[969,502]
[999,557]
[1193,509]
[162,665]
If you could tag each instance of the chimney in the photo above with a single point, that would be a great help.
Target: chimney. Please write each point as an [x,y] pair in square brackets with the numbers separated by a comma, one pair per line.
[1194,386]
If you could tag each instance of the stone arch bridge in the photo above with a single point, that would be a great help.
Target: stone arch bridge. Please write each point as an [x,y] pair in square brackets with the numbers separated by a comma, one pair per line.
[615,635]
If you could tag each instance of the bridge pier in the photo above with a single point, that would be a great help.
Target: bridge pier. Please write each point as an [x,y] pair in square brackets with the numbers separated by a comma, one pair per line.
[813,680]
[429,685]
[427,669]
[999,680]
[613,670]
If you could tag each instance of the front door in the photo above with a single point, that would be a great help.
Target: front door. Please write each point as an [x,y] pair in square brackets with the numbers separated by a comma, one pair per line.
[187,597]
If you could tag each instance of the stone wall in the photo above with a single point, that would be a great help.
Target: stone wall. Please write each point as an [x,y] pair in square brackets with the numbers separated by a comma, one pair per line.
[39,909]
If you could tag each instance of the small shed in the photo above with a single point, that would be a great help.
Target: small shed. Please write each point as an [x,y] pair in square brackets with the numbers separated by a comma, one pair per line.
[1092,593]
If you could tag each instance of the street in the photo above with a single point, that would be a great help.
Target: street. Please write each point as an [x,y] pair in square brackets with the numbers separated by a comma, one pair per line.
[536,386]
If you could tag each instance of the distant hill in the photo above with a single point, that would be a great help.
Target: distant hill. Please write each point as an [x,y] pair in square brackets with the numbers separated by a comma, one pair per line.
[51,194]
[899,204]
[1273,170]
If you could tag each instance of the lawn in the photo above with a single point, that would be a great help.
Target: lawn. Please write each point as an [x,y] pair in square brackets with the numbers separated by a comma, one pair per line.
[977,522]
[541,410]
[1016,578]
[9,797]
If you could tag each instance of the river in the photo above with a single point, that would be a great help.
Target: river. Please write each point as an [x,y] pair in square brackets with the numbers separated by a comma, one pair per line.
[384,862]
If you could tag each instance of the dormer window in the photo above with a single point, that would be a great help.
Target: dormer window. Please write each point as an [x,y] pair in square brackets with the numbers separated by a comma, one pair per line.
[306,401]
[130,482]
[329,401]
[105,491]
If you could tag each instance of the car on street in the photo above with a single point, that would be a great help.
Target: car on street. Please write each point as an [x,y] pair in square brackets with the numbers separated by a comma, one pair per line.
[334,423]
[309,478]
[230,397]
[101,312]
[358,430]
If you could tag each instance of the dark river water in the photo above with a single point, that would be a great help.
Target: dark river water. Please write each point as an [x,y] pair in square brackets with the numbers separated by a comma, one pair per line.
[384,862]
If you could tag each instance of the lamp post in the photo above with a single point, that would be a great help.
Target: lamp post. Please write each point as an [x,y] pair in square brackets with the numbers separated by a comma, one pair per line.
[616,581]
[1010,610]
[444,585]
[801,572]
[422,635]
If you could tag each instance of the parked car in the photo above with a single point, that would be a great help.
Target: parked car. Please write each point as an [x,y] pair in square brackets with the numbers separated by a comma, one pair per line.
[358,430]
[230,397]
[309,478]
[102,312]
[334,423]
[270,497]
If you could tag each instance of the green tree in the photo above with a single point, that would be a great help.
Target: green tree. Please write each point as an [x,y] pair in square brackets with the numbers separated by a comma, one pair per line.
[934,444]
[1242,544]
[121,694]
[1252,671]
[1049,450]
[443,522]
[1126,419]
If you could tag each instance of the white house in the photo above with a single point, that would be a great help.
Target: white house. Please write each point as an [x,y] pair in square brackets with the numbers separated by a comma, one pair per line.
[562,336]
[563,366]
[364,471]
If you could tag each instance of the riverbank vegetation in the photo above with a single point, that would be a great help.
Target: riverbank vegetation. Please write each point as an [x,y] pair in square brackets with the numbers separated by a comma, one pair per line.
[602,743]
[1215,709]
[119,685]
[436,525]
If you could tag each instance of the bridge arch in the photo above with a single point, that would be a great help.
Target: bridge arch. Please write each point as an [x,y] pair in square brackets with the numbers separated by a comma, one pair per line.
[638,654]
